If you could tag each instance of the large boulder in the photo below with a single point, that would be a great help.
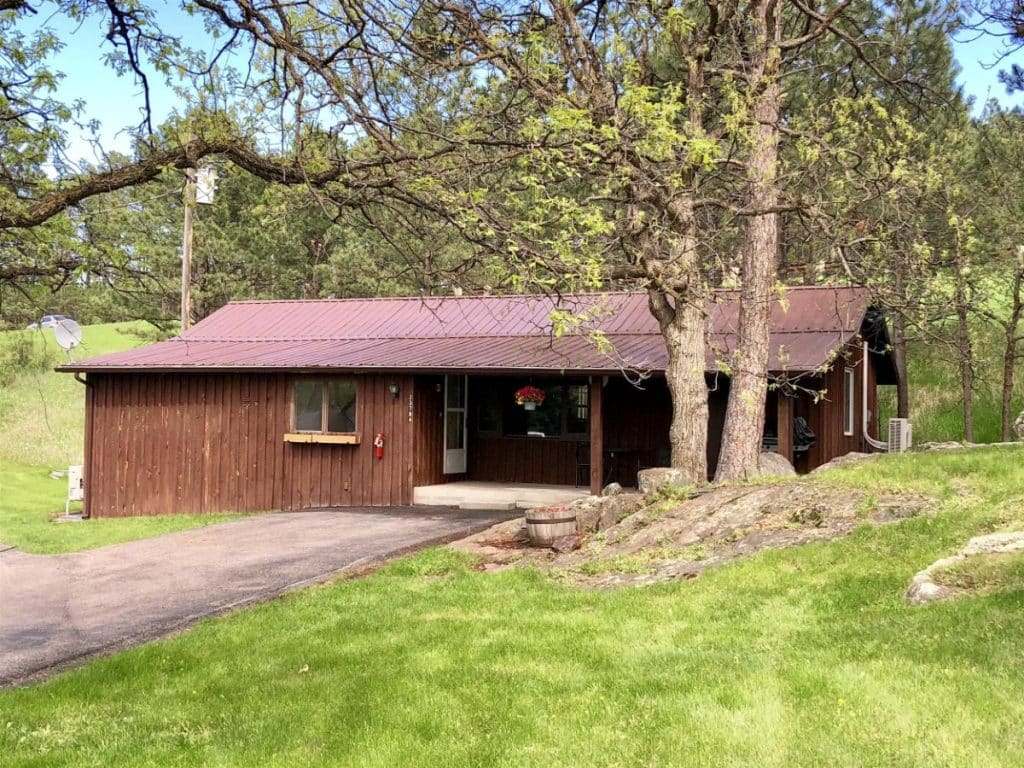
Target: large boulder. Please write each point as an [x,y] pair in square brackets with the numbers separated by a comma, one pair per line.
[774,465]
[653,480]
[839,461]
[946,445]
[924,589]
[1018,426]
[995,544]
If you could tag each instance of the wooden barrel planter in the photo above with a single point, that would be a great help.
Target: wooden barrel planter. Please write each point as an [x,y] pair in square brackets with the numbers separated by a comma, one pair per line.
[545,524]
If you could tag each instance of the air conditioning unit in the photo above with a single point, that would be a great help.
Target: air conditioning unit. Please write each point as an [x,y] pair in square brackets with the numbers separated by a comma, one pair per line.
[900,435]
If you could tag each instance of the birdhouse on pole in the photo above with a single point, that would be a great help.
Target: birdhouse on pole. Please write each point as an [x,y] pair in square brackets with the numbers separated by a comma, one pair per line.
[206,184]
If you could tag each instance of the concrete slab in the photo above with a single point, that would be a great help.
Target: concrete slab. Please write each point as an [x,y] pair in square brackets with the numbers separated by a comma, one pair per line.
[480,495]
[506,506]
[59,610]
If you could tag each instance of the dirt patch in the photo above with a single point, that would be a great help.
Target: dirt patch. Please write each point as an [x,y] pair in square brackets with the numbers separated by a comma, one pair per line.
[660,539]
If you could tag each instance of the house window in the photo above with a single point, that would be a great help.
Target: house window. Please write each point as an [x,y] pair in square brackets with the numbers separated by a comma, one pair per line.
[490,404]
[324,406]
[577,417]
[849,401]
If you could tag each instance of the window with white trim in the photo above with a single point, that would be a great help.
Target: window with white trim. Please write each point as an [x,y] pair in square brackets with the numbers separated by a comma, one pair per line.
[849,401]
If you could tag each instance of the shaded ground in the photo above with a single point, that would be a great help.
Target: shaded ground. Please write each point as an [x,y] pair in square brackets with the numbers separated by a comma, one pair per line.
[629,540]
[60,609]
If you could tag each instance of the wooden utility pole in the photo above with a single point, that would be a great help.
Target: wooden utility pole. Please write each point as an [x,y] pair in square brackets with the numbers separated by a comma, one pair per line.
[186,250]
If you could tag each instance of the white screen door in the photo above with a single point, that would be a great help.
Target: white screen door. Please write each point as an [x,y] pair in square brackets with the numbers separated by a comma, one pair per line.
[455,424]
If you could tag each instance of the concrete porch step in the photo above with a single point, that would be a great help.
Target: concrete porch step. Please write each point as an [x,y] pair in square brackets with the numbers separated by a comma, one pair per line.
[472,495]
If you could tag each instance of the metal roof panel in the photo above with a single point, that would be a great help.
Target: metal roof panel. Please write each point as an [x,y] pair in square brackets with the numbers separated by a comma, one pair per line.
[482,333]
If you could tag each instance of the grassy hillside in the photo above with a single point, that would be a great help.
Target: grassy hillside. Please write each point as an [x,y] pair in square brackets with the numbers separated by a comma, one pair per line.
[936,406]
[42,413]
[935,403]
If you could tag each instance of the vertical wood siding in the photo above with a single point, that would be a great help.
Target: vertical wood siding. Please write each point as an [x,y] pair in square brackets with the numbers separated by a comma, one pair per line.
[527,460]
[199,443]
[428,438]
[207,443]
[826,416]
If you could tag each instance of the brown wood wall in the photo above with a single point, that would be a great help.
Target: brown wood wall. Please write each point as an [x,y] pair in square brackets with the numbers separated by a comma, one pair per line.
[199,443]
[193,443]
[428,437]
[527,460]
[825,417]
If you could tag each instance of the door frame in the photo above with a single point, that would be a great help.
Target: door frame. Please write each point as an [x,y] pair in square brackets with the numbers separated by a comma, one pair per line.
[454,459]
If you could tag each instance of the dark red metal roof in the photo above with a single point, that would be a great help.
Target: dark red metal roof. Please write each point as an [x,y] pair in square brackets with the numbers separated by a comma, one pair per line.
[482,333]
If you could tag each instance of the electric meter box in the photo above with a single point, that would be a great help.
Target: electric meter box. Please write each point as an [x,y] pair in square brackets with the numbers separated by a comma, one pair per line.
[76,483]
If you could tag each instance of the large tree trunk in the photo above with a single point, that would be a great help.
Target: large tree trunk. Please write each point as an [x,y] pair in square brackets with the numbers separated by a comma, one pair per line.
[748,384]
[899,346]
[1010,352]
[965,349]
[683,326]
[899,358]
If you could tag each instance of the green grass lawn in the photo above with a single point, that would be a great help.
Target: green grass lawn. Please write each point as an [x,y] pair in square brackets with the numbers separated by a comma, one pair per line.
[30,499]
[800,657]
[42,414]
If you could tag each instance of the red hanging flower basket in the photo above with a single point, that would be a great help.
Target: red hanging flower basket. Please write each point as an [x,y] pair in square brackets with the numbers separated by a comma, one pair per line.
[530,397]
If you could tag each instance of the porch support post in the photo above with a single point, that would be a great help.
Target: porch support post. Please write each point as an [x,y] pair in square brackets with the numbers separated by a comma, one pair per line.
[596,435]
[784,426]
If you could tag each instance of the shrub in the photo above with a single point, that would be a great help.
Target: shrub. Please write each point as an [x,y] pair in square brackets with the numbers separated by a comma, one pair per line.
[23,352]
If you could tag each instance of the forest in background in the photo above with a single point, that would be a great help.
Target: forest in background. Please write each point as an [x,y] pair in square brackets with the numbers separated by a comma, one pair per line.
[481,147]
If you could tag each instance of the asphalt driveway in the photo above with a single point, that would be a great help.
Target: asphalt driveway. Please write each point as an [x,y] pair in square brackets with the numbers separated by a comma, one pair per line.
[58,610]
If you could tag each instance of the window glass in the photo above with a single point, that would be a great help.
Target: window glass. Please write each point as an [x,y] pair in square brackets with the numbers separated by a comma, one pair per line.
[564,412]
[489,410]
[547,419]
[455,433]
[577,417]
[309,406]
[848,401]
[341,406]
[456,395]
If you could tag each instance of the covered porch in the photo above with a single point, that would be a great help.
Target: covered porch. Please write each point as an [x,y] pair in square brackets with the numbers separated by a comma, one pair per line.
[588,431]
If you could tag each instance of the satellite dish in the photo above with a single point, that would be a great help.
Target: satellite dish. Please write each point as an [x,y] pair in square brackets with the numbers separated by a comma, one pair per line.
[68,334]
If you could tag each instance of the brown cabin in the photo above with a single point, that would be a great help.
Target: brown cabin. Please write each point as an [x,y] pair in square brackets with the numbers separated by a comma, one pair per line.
[279,404]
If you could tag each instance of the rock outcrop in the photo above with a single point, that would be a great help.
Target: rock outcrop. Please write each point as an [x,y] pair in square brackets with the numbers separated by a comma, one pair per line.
[925,589]
[628,539]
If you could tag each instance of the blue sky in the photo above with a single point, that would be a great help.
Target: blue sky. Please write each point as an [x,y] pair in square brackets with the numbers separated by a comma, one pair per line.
[979,60]
[116,102]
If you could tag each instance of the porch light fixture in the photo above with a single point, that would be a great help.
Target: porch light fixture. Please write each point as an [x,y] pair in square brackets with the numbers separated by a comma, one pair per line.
[394,389]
